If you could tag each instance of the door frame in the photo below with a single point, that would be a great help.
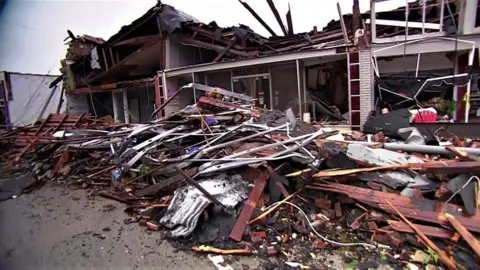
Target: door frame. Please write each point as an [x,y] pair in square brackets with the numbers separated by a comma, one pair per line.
[269,78]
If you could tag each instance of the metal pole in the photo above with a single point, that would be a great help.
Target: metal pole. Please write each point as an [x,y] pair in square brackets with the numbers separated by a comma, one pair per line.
[425,149]
[418,64]
[406,20]
[299,90]
[442,10]
[423,17]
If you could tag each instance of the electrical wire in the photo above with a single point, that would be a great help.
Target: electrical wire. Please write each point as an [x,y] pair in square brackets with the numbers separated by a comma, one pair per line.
[315,231]
[148,98]
[93,105]
[466,184]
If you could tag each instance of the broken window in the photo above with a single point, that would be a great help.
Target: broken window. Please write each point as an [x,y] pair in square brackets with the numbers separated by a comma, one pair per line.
[424,81]
[327,87]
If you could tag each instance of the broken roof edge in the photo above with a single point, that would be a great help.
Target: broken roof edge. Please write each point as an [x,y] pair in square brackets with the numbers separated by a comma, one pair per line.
[290,56]
[28,73]
[112,86]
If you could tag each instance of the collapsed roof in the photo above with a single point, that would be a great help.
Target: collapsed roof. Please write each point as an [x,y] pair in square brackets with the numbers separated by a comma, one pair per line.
[138,49]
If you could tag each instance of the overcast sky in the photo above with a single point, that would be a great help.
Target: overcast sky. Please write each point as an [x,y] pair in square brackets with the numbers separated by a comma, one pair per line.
[32,31]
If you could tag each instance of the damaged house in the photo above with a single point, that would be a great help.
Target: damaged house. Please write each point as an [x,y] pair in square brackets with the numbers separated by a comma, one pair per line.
[225,171]
[135,71]
[420,55]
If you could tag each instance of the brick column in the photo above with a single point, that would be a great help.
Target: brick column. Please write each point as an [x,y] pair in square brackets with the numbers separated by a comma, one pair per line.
[354,89]
[366,85]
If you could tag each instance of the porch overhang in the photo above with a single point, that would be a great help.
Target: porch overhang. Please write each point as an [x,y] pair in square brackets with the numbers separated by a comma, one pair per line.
[249,62]
[112,86]
[426,45]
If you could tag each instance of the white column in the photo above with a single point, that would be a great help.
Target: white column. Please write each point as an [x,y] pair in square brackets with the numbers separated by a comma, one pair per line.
[471,55]
[126,110]
[194,94]
[270,89]
[304,88]
[373,27]
[116,106]
[299,90]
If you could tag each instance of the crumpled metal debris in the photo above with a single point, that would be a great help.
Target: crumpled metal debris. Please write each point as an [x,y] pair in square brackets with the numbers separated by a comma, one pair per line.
[383,157]
[411,135]
[188,202]
[379,156]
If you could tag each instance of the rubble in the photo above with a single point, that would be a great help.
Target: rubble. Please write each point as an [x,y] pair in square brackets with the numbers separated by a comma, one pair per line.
[224,177]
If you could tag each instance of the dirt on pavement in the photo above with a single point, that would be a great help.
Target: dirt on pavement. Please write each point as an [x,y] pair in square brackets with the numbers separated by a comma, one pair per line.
[59,228]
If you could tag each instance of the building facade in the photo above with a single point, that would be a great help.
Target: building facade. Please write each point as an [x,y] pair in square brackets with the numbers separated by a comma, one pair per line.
[396,59]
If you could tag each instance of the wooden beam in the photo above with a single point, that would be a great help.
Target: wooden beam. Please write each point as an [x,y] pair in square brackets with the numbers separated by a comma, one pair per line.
[208,33]
[111,86]
[467,236]
[78,120]
[118,65]
[138,41]
[61,161]
[24,150]
[277,16]
[42,125]
[217,48]
[441,253]
[60,123]
[342,24]
[247,211]
[428,230]
[289,21]
[222,53]
[259,19]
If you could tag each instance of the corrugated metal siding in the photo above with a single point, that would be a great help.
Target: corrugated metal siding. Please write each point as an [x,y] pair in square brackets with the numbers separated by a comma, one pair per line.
[29,94]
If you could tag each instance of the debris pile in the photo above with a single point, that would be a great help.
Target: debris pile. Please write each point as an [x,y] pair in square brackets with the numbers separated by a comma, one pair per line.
[224,177]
